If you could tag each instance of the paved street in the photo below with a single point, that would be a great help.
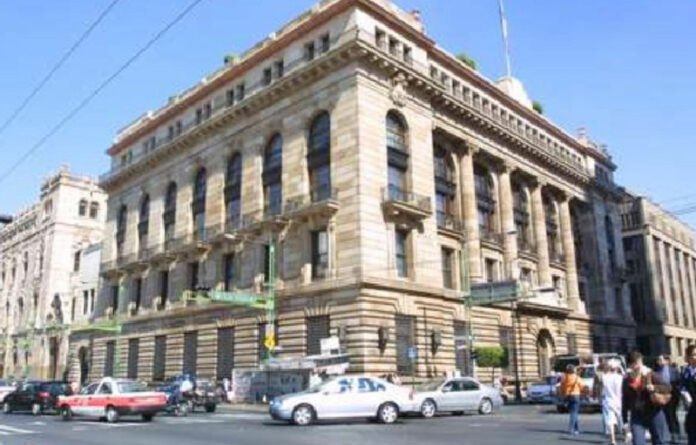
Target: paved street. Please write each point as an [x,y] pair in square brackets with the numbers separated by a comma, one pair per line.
[514,425]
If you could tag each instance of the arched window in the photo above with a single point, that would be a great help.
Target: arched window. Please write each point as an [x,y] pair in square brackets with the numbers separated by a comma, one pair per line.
[611,243]
[319,157]
[144,221]
[121,220]
[521,216]
[551,213]
[82,211]
[199,192]
[94,210]
[169,215]
[445,188]
[272,176]
[233,191]
[485,203]
[397,156]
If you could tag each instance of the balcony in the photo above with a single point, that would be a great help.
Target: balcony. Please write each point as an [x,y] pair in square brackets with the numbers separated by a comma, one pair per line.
[321,201]
[402,204]
[526,247]
[192,242]
[449,224]
[548,300]
[557,259]
[491,238]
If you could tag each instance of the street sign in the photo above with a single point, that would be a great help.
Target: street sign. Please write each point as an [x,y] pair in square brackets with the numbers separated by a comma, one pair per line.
[412,352]
[330,345]
[239,298]
[484,294]
[270,342]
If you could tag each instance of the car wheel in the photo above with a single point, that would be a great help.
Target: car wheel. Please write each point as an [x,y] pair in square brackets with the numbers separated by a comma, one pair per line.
[388,413]
[210,408]
[303,415]
[191,406]
[148,417]
[111,415]
[65,413]
[36,409]
[428,408]
[486,407]
[458,413]
[6,408]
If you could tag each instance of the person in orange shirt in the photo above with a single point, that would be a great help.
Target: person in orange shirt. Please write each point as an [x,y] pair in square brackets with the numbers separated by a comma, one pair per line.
[571,389]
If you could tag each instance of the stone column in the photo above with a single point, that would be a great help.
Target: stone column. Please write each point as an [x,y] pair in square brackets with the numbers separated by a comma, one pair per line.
[542,243]
[470,214]
[689,263]
[683,264]
[569,251]
[507,223]
[666,290]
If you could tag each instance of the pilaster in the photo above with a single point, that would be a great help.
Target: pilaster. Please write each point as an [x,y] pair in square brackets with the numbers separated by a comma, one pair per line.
[470,214]
[508,223]
[569,250]
[542,243]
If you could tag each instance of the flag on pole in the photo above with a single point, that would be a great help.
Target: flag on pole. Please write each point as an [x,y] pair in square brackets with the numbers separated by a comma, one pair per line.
[504,29]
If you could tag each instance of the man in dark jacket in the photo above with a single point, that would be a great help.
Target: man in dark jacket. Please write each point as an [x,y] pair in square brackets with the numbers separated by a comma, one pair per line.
[666,374]
[644,415]
[688,387]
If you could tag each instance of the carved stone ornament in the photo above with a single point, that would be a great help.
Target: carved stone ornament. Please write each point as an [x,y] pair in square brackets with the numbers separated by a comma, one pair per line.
[398,92]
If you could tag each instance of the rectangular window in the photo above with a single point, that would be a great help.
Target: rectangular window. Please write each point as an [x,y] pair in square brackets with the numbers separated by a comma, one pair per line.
[240,91]
[72,309]
[309,51]
[325,42]
[225,353]
[91,300]
[230,97]
[266,262]
[114,298]
[76,261]
[407,54]
[393,46]
[461,353]
[267,76]
[505,334]
[133,352]
[318,328]
[229,272]
[137,292]
[572,340]
[405,339]
[446,259]
[380,38]
[279,67]
[109,359]
[193,275]
[491,269]
[320,253]
[164,287]
[207,110]
[401,253]
[190,352]
[199,115]
[160,359]
[85,302]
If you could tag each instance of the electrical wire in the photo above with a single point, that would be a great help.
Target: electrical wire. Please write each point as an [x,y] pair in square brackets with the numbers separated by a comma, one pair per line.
[57,66]
[67,118]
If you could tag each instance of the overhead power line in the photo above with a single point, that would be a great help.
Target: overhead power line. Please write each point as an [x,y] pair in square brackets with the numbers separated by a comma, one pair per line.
[68,117]
[57,66]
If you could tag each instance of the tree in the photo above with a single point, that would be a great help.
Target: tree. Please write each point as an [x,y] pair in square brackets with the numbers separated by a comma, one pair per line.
[464,58]
[538,107]
[492,357]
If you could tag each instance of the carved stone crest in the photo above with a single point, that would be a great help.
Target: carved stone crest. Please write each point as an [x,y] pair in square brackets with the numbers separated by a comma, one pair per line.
[398,92]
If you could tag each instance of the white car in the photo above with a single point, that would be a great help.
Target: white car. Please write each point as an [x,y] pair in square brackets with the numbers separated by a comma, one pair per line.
[5,389]
[456,395]
[344,397]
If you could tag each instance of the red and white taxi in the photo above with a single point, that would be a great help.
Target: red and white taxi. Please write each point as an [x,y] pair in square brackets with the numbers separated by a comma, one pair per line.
[111,399]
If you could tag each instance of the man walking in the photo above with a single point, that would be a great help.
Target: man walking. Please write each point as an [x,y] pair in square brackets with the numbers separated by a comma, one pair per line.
[688,388]
[666,374]
[636,401]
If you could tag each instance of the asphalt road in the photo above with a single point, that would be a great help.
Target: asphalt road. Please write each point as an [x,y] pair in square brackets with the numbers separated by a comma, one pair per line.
[519,425]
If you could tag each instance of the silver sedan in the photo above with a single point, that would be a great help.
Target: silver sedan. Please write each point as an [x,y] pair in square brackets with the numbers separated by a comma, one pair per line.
[456,395]
[344,397]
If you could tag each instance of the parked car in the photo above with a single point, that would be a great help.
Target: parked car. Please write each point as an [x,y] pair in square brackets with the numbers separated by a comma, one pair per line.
[111,399]
[6,388]
[344,397]
[543,391]
[35,396]
[456,395]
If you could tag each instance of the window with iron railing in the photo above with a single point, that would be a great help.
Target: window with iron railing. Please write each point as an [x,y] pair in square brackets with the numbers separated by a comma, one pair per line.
[320,253]
[446,260]
[485,202]
[401,238]
[144,222]
[397,154]
[121,230]
[319,157]
[198,205]
[169,215]
[272,176]
[233,191]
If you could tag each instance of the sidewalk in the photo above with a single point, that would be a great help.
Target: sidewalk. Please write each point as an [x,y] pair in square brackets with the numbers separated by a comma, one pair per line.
[242,407]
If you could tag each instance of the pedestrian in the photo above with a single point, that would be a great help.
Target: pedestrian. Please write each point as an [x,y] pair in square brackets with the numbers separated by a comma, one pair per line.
[638,409]
[571,389]
[597,383]
[612,385]
[688,388]
[666,374]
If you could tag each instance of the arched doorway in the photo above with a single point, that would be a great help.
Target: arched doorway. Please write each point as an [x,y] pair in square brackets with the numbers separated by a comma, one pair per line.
[83,356]
[545,350]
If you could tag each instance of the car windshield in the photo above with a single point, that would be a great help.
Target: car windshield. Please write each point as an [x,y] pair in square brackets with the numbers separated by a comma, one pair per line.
[54,388]
[539,384]
[587,373]
[125,387]
[429,386]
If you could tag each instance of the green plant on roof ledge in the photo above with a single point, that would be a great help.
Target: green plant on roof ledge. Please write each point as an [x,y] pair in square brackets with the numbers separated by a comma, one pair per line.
[538,107]
[464,58]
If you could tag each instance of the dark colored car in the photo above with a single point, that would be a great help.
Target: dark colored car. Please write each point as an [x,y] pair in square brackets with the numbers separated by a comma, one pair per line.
[206,395]
[197,393]
[35,396]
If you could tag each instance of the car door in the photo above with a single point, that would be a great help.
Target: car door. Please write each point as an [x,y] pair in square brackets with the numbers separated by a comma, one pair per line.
[447,397]
[101,399]
[336,399]
[469,395]
[26,396]
[83,401]
[369,396]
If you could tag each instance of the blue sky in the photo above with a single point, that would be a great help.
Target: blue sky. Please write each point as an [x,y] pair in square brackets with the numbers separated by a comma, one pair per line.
[621,68]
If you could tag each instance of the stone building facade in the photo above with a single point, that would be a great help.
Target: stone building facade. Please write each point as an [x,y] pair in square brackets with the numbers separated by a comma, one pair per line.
[372,157]
[661,268]
[42,273]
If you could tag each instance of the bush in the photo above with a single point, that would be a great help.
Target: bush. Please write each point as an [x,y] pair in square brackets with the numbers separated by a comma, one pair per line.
[538,107]
[464,58]
[492,357]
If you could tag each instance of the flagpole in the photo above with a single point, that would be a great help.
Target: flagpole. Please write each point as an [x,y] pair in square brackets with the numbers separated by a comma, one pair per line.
[506,42]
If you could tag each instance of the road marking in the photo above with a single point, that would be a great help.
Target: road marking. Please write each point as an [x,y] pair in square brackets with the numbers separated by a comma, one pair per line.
[189,421]
[39,423]
[7,430]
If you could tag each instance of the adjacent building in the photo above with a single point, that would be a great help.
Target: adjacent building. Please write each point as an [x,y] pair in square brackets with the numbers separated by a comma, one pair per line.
[49,274]
[661,269]
[386,172]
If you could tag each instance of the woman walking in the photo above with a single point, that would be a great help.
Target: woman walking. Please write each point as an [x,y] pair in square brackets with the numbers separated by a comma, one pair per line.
[571,388]
[612,383]
[636,394]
